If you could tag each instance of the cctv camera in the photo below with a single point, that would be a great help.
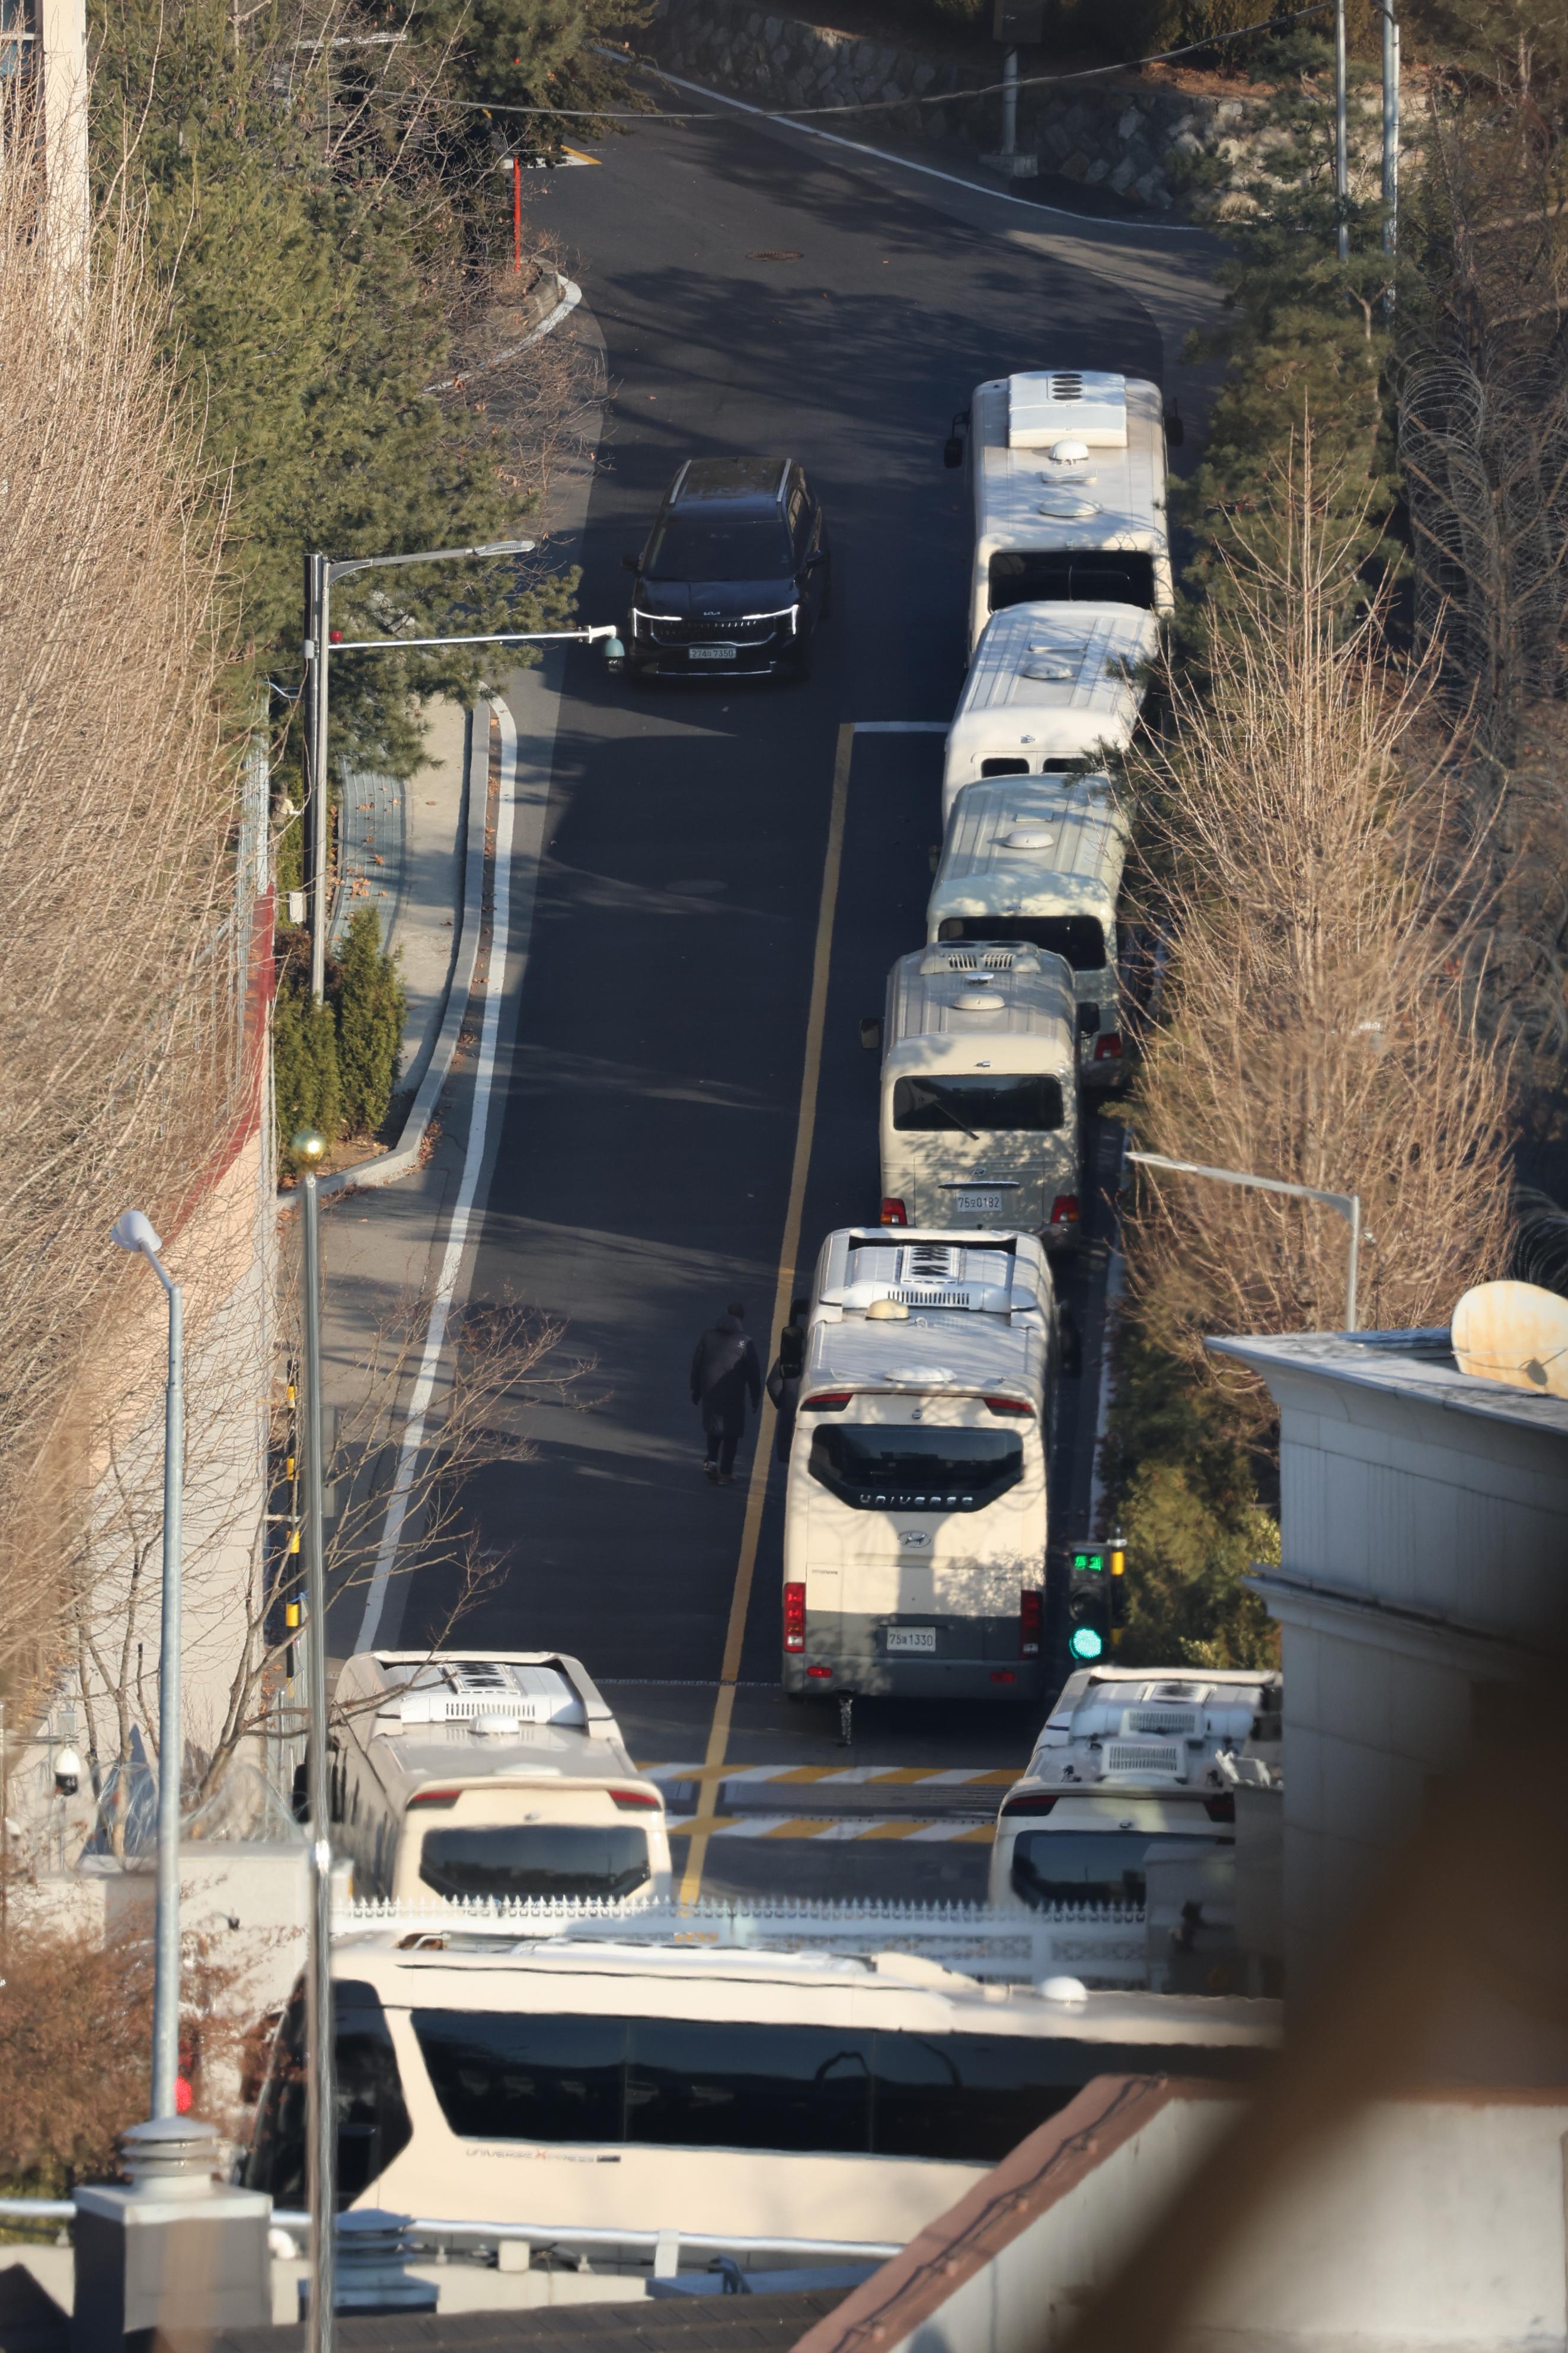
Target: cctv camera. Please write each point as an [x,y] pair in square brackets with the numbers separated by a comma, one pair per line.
[68,1772]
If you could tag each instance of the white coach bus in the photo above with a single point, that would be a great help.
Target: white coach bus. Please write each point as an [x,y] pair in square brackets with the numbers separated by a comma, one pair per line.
[500,1775]
[1039,859]
[915,1506]
[1052,690]
[746,2094]
[979,1094]
[1068,472]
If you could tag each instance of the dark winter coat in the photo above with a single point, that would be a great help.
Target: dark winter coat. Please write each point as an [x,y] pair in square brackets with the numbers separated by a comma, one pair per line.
[724,1373]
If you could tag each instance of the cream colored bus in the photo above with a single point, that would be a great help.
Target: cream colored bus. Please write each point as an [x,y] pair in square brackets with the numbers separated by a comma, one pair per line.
[979,1091]
[915,1508]
[745,2095]
[1039,860]
[498,1775]
[1052,690]
[1068,472]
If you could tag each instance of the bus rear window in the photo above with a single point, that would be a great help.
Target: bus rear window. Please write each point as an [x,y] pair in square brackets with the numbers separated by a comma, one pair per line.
[1047,576]
[893,1466]
[1079,938]
[1012,1103]
[1090,1866]
[522,1859]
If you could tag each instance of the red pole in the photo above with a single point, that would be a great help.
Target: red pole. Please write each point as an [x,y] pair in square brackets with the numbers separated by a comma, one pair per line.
[516,213]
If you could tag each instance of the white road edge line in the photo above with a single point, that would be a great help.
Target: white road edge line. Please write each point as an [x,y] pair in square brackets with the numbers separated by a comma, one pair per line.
[880,154]
[473,1161]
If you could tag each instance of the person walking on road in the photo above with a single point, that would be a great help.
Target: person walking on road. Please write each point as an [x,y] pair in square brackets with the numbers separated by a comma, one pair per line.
[725,1374]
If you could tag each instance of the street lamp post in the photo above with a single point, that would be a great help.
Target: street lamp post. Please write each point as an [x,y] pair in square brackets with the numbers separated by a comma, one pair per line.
[1347,1205]
[319,2094]
[320,571]
[133,1231]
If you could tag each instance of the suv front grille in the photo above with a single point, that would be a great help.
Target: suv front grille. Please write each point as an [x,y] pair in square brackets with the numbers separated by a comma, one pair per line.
[739,632]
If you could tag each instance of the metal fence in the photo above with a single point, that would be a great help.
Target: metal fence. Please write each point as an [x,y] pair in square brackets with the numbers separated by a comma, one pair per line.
[1102,1945]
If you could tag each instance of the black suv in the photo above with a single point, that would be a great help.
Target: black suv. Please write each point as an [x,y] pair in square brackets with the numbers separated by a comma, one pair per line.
[734,576]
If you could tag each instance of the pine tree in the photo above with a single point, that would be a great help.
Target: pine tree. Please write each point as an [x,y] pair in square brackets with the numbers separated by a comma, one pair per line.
[371,1006]
[306,1088]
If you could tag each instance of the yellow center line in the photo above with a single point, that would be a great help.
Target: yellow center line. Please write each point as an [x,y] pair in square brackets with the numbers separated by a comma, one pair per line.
[789,1251]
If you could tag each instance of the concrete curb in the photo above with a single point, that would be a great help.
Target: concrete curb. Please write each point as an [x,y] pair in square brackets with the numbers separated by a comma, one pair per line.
[571,294]
[404,1157]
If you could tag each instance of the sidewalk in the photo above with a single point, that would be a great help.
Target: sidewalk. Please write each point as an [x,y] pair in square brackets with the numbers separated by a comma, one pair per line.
[403,849]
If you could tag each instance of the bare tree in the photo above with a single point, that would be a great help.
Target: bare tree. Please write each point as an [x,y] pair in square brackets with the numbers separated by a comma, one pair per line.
[120,990]
[1319,1024]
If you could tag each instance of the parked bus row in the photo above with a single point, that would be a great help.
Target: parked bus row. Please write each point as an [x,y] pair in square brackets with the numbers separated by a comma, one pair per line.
[916,1381]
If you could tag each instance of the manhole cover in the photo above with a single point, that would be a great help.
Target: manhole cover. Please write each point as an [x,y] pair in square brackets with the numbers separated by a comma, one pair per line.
[776,253]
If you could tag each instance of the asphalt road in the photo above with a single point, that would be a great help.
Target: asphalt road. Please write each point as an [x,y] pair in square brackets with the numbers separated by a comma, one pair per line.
[755,293]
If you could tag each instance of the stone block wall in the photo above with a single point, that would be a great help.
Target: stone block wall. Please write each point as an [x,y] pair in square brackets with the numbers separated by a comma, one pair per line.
[1131,136]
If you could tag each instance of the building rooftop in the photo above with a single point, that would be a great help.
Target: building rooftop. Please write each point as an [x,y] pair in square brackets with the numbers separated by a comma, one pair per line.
[1418,1365]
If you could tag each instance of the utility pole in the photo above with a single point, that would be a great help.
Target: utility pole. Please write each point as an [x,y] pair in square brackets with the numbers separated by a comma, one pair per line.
[321,2100]
[1342,141]
[318,793]
[1390,132]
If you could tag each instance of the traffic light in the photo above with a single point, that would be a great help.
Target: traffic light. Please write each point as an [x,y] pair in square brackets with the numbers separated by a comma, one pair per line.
[1089,1604]
[1117,1589]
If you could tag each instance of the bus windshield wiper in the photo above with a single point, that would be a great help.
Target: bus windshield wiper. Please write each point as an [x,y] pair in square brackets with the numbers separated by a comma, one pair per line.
[933,1096]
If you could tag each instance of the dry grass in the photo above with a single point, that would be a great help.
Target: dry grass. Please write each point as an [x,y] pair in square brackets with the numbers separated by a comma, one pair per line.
[118,996]
[1320,1026]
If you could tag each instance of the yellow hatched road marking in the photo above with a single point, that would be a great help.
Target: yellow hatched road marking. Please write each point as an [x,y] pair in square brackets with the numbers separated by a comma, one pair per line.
[895,1830]
[789,1251]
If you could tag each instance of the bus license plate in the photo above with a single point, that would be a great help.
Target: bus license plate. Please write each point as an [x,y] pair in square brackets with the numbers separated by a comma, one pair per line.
[983,1205]
[712,653]
[912,1638]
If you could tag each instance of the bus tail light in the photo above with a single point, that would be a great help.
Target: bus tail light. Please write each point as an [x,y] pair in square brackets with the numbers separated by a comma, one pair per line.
[826,1401]
[1031,1613]
[1064,1209]
[435,1797]
[893,1212]
[1027,1805]
[1007,1404]
[1002,1675]
[795,1617]
[1107,1049]
[627,1799]
[820,1674]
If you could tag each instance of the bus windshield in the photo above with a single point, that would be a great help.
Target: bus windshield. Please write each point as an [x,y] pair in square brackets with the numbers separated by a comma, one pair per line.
[1012,1102]
[893,1466]
[521,1860]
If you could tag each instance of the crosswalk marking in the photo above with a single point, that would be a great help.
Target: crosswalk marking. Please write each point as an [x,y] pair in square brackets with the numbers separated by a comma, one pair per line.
[886,1777]
[905,1828]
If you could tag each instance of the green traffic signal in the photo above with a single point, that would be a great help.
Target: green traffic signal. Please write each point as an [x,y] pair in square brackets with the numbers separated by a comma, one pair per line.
[1089,1564]
[1086,1642]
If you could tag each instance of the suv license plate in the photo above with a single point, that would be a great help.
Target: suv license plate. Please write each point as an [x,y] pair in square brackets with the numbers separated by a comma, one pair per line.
[712,653]
[978,1204]
[912,1638]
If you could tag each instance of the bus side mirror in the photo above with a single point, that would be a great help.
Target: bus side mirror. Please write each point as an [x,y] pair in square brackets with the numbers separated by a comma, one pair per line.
[953,452]
[1071,1343]
[871,1036]
[1175,431]
[792,1352]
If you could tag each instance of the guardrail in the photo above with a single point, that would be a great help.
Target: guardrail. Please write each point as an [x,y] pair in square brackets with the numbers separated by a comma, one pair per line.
[1102,1945]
